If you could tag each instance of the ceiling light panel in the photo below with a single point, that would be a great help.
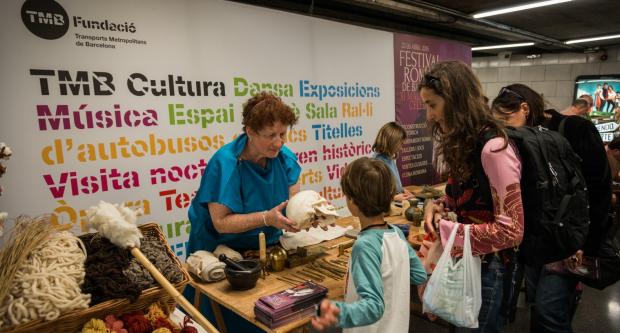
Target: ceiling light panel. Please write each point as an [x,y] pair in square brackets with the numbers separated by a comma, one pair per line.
[584,40]
[503,46]
[518,8]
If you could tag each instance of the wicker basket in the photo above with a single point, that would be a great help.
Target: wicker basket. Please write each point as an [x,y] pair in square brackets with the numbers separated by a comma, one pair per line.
[72,322]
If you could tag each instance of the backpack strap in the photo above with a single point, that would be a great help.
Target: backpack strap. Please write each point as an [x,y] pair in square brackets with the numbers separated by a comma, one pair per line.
[488,135]
[481,179]
[565,201]
[545,152]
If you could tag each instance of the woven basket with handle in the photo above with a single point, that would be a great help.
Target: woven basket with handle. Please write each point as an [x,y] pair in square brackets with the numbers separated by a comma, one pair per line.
[74,321]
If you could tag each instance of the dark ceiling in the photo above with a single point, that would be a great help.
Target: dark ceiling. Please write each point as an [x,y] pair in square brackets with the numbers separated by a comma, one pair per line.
[547,26]
[570,20]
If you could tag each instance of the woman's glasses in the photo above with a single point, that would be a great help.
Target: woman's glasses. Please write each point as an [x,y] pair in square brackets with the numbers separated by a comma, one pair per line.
[507,91]
[273,137]
[432,81]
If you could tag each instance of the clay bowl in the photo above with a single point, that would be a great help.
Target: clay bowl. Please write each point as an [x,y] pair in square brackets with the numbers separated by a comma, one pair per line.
[243,280]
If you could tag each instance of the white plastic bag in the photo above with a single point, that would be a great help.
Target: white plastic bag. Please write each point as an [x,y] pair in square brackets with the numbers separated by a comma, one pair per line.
[454,290]
[430,252]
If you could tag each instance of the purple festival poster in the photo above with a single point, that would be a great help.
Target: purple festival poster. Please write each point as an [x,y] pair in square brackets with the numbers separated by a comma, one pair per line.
[413,56]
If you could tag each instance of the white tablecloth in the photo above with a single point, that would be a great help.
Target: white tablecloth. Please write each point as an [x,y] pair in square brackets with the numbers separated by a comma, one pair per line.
[293,240]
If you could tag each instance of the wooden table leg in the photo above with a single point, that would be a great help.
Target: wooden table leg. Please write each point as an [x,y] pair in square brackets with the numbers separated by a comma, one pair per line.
[218,316]
[197,296]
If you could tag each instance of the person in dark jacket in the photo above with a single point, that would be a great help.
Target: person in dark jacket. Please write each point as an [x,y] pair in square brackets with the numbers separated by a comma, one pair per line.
[554,295]
[613,155]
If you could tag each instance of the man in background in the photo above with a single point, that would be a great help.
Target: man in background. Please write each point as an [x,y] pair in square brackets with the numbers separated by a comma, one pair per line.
[590,101]
[580,107]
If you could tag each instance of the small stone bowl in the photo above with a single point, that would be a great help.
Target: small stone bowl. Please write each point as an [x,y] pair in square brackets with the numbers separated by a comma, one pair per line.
[243,280]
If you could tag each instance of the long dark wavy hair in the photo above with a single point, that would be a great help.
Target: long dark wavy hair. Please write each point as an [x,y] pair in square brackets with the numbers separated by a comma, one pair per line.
[509,100]
[467,117]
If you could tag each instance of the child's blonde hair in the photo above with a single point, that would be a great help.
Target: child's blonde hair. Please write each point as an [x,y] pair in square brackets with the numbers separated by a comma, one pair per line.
[389,137]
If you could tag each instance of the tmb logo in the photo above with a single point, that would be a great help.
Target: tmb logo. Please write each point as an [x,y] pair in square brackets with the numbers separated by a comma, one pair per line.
[45,18]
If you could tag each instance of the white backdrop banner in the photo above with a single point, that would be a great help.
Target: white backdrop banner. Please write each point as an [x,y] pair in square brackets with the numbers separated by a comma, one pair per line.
[126,101]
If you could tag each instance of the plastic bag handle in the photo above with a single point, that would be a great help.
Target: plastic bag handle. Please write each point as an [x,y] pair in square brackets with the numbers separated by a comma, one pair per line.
[466,253]
[467,242]
[448,247]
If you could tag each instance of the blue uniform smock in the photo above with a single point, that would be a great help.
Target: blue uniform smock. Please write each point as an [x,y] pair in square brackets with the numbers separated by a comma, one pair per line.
[243,187]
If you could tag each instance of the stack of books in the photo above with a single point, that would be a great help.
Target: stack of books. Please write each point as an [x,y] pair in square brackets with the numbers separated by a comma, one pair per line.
[289,305]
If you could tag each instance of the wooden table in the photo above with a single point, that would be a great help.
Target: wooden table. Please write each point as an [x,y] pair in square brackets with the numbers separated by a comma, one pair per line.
[242,302]
[415,233]
[417,188]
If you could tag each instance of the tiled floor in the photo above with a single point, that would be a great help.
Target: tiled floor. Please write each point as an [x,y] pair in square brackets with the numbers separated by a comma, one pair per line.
[598,311]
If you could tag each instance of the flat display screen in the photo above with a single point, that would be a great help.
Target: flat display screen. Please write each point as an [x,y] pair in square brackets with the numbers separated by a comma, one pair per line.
[605,112]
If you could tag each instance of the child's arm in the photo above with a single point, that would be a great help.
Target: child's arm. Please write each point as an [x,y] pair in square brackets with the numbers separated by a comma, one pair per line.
[329,316]
[366,275]
[417,273]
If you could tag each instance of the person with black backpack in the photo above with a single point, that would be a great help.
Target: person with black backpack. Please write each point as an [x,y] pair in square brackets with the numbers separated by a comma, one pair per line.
[554,295]
[483,187]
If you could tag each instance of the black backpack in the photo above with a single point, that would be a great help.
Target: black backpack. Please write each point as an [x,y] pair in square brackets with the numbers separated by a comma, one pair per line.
[554,195]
